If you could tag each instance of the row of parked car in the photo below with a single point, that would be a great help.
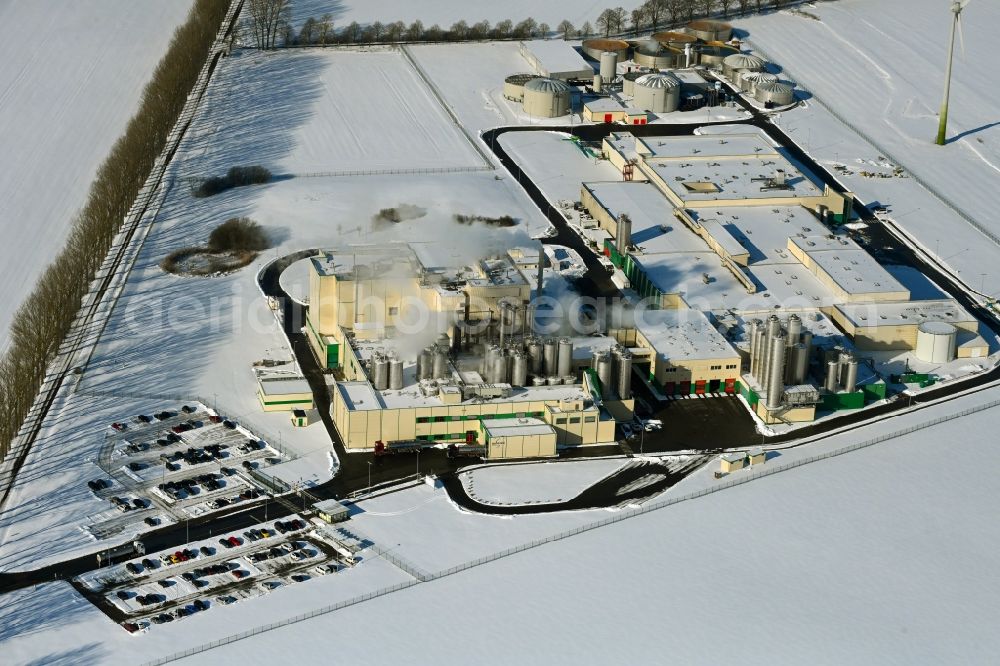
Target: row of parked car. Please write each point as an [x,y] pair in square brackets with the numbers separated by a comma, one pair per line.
[124,505]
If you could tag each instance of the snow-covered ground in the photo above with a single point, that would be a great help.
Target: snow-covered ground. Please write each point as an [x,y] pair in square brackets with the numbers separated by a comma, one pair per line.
[446,12]
[70,79]
[886,77]
[536,483]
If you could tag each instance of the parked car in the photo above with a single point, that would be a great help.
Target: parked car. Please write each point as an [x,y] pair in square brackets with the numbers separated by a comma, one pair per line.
[229,424]
[205,550]
[280,526]
[166,582]
[142,418]
[201,604]
[187,409]
[122,594]
[235,541]
[138,503]
[225,543]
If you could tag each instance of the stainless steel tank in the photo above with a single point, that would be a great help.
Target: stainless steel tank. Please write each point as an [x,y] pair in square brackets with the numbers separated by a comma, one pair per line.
[794,330]
[800,363]
[426,364]
[549,356]
[851,377]
[624,374]
[538,381]
[569,380]
[519,370]
[564,364]
[535,360]
[488,358]
[552,381]
[396,374]
[441,363]
[832,376]
[499,375]
[776,375]
[380,372]
[756,336]
[604,370]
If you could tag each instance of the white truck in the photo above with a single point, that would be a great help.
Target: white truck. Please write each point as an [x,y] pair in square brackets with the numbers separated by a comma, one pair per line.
[118,552]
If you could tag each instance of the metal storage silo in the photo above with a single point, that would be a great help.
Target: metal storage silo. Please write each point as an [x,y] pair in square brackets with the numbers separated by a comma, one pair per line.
[936,342]
[713,56]
[487,367]
[396,374]
[776,375]
[380,373]
[832,376]
[609,66]
[628,81]
[774,92]
[739,62]
[519,370]
[441,363]
[748,80]
[499,373]
[794,330]
[657,93]
[513,86]
[674,40]
[604,372]
[535,362]
[851,376]
[623,361]
[426,364]
[653,54]
[564,363]
[710,31]
[799,363]
[594,48]
[549,356]
[547,98]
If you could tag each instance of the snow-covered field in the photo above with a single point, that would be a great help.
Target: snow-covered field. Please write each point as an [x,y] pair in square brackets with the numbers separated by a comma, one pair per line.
[70,79]
[536,483]
[886,76]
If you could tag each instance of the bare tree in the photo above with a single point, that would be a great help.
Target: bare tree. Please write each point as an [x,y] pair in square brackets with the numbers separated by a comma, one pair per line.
[324,28]
[480,30]
[504,28]
[586,30]
[707,7]
[434,33]
[566,29]
[459,30]
[309,31]
[724,5]
[637,19]
[352,33]
[759,4]
[655,10]
[526,28]
[620,17]
[377,31]
[744,6]
[415,32]
[543,30]
[266,20]
[606,22]
[394,31]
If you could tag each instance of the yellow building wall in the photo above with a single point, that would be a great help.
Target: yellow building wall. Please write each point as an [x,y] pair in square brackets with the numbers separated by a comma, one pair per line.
[691,370]
[803,414]
[522,446]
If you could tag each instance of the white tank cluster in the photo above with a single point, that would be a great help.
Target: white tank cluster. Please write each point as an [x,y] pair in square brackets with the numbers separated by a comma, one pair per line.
[657,93]
[547,98]
[741,62]
[779,355]
[748,80]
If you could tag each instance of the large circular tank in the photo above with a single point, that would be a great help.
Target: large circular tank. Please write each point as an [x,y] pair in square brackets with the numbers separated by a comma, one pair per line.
[609,66]
[748,80]
[519,370]
[676,40]
[593,48]
[546,98]
[513,86]
[396,374]
[380,373]
[651,53]
[774,92]
[713,56]
[535,356]
[936,342]
[710,31]
[549,356]
[426,364]
[657,93]
[564,363]
[628,81]
[739,62]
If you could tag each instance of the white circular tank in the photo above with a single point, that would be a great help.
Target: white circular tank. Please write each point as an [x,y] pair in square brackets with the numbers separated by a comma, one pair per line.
[513,86]
[546,98]
[657,93]
[609,66]
[778,94]
[739,62]
[628,81]
[748,80]
[936,342]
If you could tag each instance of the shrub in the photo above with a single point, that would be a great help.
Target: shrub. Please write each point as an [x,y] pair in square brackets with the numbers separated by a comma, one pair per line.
[238,234]
[238,176]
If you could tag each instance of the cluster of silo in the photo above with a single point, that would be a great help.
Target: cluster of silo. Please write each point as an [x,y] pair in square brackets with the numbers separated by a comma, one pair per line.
[713,56]
[747,80]
[513,86]
[547,362]
[657,93]
[594,48]
[779,355]
[710,31]
[774,93]
[841,371]
[655,55]
[547,98]
[386,371]
[741,62]
[432,362]
[614,370]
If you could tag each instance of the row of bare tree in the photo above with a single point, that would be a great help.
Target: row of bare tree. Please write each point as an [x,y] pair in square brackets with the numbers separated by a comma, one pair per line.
[267,24]
[43,320]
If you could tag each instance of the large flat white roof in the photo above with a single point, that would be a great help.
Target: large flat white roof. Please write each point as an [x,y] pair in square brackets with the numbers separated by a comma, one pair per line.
[284,385]
[679,335]
[848,265]
[733,177]
[762,230]
[410,396]
[360,396]
[516,427]
[557,58]
[654,227]
[705,146]
[903,314]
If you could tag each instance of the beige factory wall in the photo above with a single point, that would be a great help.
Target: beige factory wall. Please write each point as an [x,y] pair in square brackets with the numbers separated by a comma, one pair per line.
[886,338]
[522,446]
[285,403]
[691,370]
[797,415]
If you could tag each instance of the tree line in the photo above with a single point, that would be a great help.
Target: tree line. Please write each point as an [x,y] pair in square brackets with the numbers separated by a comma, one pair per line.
[43,320]
[267,24]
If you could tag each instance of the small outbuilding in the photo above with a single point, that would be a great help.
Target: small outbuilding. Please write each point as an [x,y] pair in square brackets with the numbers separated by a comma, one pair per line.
[284,394]
[731,462]
[607,110]
[332,511]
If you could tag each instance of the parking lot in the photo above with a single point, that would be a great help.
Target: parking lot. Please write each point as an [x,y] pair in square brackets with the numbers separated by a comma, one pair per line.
[156,588]
[176,464]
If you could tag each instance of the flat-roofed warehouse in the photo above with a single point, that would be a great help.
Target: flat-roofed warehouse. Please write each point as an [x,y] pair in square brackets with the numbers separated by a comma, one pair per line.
[847,269]
[894,326]
[556,59]
[688,354]
[518,438]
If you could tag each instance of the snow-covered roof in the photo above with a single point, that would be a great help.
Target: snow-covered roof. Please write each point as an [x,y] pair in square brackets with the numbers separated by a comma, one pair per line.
[360,396]
[683,335]
[547,85]
[658,80]
[848,265]
[744,61]
[516,427]
[654,228]
[555,58]
[902,314]
[284,385]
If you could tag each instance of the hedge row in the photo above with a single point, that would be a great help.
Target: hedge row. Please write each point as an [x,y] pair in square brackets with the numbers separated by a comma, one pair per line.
[43,320]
